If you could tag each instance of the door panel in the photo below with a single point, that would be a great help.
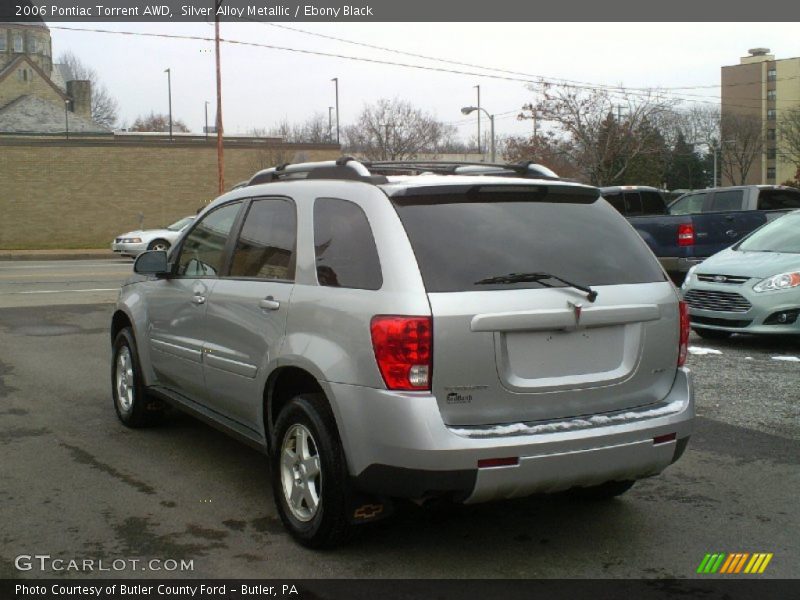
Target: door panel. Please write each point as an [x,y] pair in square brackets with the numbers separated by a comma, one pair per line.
[242,338]
[177,305]
[247,311]
[176,326]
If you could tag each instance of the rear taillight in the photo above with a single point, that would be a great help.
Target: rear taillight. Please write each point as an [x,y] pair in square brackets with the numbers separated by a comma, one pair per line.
[403,349]
[683,345]
[686,235]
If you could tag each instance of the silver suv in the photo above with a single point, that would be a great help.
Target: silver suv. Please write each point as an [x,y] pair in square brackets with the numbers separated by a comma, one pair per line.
[468,333]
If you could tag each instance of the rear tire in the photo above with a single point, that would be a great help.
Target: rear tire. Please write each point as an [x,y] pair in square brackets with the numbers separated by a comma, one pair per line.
[604,491]
[134,407]
[712,334]
[309,473]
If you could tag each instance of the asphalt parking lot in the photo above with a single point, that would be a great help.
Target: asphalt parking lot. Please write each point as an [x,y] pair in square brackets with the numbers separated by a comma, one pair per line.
[74,483]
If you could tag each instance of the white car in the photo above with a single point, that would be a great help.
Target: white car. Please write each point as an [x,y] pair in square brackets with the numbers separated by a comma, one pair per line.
[134,243]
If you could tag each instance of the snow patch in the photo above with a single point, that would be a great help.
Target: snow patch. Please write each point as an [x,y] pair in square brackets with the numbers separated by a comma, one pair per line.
[700,351]
[787,358]
[570,424]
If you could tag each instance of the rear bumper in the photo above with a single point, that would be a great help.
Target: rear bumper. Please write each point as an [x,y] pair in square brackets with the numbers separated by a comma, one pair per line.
[674,264]
[397,445]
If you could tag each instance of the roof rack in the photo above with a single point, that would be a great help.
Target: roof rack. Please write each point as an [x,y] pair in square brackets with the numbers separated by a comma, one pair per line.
[375,172]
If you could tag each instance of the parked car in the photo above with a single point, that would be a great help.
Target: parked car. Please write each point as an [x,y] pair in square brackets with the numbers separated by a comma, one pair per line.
[752,287]
[703,222]
[459,337]
[134,243]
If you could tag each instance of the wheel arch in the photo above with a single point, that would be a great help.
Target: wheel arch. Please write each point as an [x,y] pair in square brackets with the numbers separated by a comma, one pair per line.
[283,384]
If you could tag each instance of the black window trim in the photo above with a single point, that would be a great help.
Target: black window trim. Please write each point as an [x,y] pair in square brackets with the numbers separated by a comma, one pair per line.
[236,231]
[177,250]
[371,233]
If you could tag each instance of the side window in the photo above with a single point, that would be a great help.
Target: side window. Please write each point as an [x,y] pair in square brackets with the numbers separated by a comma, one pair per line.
[633,204]
[615,200]
[778,199]
[728,200]
[344,247]
[266,246]
[688,205]
[652,203]
[203,249]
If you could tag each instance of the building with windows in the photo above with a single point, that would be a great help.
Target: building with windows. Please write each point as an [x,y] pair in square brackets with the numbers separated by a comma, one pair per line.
[37,96]
[759,88]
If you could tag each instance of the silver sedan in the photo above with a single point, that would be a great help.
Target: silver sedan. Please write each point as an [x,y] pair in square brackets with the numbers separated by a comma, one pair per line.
[133,243]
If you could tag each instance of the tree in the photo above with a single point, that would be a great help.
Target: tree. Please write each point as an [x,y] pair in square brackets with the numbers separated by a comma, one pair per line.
[742,144]
[395,130]
[105,110]
[604,132]
[789,136]
[157,122]
[686,170]
[312,131]
[544,149]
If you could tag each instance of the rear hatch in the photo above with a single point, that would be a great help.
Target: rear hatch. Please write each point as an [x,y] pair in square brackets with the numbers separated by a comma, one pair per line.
[506,350]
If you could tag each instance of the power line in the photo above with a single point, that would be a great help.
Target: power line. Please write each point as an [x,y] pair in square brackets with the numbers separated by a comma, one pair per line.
[557,80]
[649,94]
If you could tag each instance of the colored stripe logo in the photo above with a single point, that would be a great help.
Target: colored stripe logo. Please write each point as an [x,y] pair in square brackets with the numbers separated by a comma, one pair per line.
[735,563]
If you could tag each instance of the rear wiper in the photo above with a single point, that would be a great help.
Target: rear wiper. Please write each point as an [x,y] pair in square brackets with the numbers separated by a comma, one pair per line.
[537,277]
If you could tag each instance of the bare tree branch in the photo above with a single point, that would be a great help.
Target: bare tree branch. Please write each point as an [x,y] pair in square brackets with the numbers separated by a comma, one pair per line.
[395,130]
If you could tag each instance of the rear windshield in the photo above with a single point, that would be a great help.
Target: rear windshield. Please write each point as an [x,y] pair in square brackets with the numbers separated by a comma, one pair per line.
[462,238]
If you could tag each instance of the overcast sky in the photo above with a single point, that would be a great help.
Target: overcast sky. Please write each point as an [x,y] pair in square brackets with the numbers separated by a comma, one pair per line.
[262,86]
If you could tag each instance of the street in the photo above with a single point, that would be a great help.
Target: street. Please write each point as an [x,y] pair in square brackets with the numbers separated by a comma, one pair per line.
[42,283]
[75,483]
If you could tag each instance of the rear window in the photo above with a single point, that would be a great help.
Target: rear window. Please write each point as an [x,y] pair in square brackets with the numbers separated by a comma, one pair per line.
[462,238]
[653,203]
[778,199]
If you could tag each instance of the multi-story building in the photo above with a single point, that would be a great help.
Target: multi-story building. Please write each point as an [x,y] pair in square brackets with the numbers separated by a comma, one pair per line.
[761,88]
[36,95]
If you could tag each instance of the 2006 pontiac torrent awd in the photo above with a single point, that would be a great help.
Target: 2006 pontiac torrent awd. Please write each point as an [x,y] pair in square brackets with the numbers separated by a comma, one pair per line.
[386,331]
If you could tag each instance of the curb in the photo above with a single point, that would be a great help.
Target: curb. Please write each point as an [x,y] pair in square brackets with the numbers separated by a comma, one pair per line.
[58,255]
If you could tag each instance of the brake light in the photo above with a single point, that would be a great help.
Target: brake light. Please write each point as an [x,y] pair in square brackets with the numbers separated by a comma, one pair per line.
[403,350]
[683,345]
[686,234]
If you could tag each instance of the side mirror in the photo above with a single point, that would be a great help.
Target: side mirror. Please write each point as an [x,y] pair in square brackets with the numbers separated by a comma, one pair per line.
[152,262]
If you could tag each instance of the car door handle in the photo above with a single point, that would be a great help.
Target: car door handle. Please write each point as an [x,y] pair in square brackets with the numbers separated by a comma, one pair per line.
[269,303]
[198,299]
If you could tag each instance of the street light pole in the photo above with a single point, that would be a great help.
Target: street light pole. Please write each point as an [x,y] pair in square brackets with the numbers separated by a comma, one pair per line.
[335,80]
[491,122]
[471,109]
[330,124]
[169,96]
[478,87]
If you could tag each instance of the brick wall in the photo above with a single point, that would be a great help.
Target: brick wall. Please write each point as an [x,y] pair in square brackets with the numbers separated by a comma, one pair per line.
[81,193]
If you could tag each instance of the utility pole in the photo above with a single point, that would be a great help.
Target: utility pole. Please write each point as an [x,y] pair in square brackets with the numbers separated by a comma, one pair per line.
[206,127]
[220,150]
[169,96]
[478,87]
[335,80]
